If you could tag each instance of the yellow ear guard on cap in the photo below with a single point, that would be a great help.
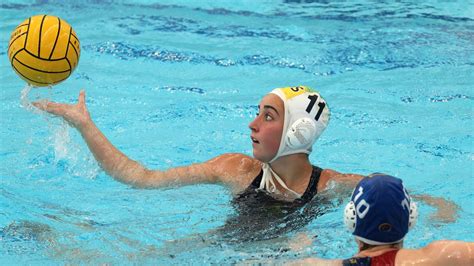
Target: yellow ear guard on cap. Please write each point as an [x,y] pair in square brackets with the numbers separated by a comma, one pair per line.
[306,117]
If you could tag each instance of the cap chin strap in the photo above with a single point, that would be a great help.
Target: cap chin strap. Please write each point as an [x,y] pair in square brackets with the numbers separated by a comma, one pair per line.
[268,183]
[375,243]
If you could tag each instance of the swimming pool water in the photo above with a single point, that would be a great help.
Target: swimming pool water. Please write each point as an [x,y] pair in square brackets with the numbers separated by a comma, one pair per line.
[173,83]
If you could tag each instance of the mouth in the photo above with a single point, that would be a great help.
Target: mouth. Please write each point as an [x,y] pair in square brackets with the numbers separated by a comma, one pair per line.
[254,140]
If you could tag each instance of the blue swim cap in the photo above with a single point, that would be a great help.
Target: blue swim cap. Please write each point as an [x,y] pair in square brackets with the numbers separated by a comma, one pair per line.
[380,211]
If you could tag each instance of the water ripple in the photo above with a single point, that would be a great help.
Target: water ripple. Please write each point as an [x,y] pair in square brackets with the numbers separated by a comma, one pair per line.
[449,98]
[126,51]
[443,151]
[435,99]
[14,6]
[441,17]
[25,237]
[181,89]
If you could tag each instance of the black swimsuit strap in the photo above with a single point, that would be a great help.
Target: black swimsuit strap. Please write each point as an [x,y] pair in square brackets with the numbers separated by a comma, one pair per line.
[257,180]
[311,190]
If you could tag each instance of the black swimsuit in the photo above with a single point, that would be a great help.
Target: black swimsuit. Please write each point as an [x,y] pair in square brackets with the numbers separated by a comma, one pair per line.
[260,216]
[308,195]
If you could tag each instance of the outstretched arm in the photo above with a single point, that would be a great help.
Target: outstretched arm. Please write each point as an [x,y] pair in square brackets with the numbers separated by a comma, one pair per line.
[446,210]
[315,261]
[113,161]
[343,184]
[225,168]
[444,252]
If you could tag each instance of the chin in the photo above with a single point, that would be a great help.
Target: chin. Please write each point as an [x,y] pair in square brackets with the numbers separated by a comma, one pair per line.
[261,158]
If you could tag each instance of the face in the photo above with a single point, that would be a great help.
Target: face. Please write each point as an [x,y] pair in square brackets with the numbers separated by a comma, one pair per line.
[267,127]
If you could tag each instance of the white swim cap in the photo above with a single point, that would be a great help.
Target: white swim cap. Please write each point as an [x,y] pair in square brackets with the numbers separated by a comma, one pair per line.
[306,117]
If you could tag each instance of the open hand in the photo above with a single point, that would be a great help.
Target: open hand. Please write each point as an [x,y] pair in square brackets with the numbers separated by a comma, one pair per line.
[75,114]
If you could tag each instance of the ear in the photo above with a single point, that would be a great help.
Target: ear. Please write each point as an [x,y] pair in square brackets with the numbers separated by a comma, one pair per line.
[359,244]
[400,245]
[301,133]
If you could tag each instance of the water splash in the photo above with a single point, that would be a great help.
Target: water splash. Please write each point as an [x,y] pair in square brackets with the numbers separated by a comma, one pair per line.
[68,155]
[62,141]
[24,101]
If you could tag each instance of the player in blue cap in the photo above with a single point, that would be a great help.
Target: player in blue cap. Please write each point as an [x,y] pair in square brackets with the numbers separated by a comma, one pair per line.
[379,216]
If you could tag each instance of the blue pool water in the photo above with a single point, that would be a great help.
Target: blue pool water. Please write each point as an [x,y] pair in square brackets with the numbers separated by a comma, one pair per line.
[177,82]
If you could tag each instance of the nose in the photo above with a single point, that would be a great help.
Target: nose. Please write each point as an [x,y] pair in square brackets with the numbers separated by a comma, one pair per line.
[254,124]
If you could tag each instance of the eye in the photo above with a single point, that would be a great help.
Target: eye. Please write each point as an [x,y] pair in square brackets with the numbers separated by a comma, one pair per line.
[268,117]
[257,114]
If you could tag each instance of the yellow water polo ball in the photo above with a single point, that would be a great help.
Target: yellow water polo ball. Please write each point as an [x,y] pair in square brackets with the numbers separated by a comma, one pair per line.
[44,50]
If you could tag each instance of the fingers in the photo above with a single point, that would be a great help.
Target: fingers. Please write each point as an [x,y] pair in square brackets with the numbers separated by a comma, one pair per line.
[50,107]
[61,109]
[82,98]
[42,105]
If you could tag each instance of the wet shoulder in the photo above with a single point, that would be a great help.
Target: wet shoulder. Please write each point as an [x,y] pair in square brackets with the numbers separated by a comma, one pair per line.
[443,252]
[236,170]
[326,176]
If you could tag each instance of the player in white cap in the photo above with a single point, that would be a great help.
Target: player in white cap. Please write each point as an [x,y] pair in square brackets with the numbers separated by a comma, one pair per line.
[288,123]
[290,120]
